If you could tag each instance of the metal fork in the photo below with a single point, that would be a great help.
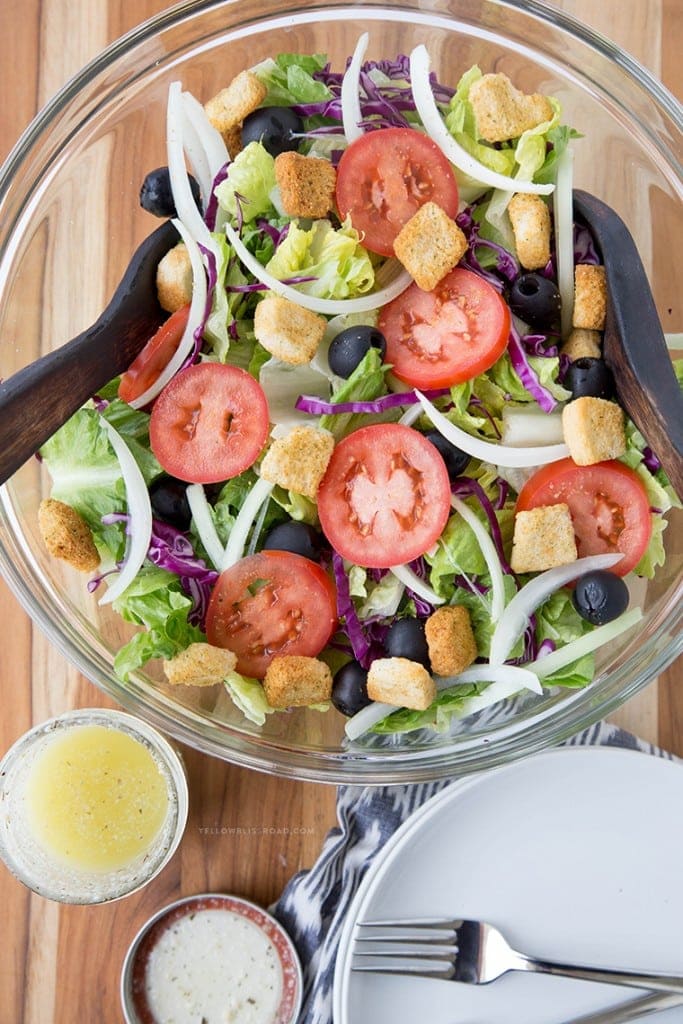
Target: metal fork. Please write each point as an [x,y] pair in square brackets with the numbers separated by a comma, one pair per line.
[472,952]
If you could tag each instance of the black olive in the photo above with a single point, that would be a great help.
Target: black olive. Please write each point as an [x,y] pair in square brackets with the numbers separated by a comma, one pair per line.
[299,538]
[274,128]
[156,196]
[350,346]
[589,377]
[535,300]
[600,596]
[350,689]
[406,639]
[169,502]
[455,459]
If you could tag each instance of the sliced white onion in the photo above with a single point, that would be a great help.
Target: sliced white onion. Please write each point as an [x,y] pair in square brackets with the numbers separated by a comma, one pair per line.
[524,426]
[201,514]
[524,678]
[194,150]
[514,620]
[331,307]
[366,718]
[350,92]
[586,644]
[412,413]
[186,208]
[452,150]
[490,451]
[413,582]
[282,384]
[234,549]
[507,682]
[139,516]
[194,320]
[563,216]
[488,550]
[211,140]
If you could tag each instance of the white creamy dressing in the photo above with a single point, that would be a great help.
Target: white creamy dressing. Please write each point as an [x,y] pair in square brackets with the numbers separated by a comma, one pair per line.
[213,967]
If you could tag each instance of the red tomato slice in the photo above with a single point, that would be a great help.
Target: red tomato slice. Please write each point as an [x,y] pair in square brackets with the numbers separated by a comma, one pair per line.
[446,336]
[608,505]
[209,423]
[385,497]
[385,176]
[158,351]
[270,604]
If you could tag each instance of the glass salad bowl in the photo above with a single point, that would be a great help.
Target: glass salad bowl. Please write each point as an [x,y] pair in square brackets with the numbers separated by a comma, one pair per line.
[70,219]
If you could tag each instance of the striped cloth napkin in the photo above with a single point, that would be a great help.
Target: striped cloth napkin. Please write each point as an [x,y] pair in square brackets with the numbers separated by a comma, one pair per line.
[315,902]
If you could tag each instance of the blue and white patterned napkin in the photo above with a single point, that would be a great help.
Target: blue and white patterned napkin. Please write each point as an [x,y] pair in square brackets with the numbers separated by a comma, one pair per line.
[315,903]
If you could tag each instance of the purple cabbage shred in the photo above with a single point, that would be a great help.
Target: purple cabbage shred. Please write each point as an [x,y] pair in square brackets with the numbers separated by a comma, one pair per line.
[212,205]
[466,487]
[318,407]
[526,374]
[650,459]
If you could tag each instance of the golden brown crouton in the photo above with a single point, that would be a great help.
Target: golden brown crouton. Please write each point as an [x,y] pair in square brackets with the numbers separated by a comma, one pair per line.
[298,461]
[407,684]
[295,681]
[200,665]
[289,332]
[582,344]
[530,219]
[67,535]
[230,106]
[307,185]
[544,537]
[174,278]
[593,430]
[429,245]
[232,137]
[503,112]
[590,297]
[451,643]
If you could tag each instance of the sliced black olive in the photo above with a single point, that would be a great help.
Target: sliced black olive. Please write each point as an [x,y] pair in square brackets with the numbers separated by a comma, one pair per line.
[455,459]
[350,689]
[156,196]
[600,596]
[350,346]
[299,538]
[588,377]
[535,300]
[406,639]
[274,127]
[168,497]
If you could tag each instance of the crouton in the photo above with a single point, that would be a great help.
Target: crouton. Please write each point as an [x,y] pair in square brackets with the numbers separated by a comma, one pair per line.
[298,461]
[450,640]
[230,106]
[67,535]
[543,538]
[289,332]
[200,665]
[590,297]
[582,344]
[503,112]
[401,682]
[232,137]
[174,279]
[429,245]
[594,430]
[295,681]
[530,219]
[307,185]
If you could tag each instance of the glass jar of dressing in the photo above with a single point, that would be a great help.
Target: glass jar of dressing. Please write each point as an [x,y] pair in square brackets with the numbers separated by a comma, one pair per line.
[93,804]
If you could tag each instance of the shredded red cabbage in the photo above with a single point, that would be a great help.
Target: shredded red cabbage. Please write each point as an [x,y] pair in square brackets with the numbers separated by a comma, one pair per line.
[503,491]
[546,646]
[465,487]
[507,268]
[346,611]
[537,345]
[317,407]
[526,374]
[470,583]
[481,408]
[212,205]
[650,459]
[584,246]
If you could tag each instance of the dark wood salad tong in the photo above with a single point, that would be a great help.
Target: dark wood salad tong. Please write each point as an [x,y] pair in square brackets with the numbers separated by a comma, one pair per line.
[38,399]
[634,346]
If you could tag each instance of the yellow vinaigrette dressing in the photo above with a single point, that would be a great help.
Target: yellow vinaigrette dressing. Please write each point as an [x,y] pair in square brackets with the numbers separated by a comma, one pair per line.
[96,799]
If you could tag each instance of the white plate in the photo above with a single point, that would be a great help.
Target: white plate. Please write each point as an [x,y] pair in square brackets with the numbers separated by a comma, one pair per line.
[576,854]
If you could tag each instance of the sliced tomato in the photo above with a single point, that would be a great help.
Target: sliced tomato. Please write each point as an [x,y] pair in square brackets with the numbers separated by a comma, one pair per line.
[446,336]
[385,176]
[385,497]
[157,353]
[270,604]
[608,505]
[209,423]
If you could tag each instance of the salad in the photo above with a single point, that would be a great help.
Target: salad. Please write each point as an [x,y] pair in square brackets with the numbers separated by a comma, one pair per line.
[372,458]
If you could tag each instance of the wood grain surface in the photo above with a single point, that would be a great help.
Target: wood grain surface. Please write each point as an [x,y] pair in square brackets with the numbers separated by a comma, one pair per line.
[248,833]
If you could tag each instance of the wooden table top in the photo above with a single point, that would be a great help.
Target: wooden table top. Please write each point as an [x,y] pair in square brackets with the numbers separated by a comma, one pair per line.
[62,964]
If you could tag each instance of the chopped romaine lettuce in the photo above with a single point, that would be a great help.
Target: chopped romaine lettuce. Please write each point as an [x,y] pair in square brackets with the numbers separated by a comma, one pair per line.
[336,262]
[250,181]
[289,79]
[249,696]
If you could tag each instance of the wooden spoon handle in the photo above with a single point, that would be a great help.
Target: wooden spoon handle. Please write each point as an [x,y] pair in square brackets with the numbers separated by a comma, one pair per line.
[634,345]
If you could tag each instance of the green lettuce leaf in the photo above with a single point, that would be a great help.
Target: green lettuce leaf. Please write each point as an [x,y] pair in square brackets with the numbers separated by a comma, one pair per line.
[289,79]
[531,148]
[249,696]
[365,383]
[252,177]
[339,264]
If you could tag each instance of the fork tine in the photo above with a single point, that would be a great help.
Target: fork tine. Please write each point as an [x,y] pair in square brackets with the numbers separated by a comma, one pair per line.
[419,931]
[421,967]
[400,952]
